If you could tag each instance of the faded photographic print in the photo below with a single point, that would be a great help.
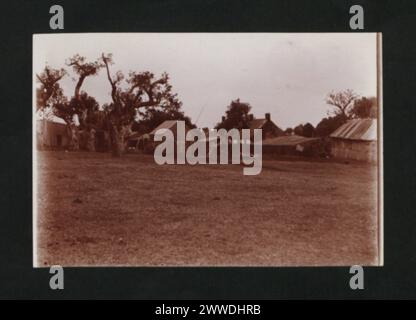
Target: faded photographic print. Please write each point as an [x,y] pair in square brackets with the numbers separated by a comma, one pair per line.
[207,149]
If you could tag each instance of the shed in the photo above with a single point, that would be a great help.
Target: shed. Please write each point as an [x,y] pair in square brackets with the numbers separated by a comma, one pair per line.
[51,133]
[356,140]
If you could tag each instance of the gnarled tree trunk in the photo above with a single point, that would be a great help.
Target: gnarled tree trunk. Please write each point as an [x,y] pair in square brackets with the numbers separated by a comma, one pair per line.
[117,141]
[91,140]
[73,141]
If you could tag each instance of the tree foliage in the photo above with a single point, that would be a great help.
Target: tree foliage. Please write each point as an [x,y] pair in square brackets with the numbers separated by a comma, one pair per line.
[130,94]
[328,125]
[298,130]
[153,117]
[49,92]
[139,95]
[288,131]
[308,130]
[364,108]
[236,116]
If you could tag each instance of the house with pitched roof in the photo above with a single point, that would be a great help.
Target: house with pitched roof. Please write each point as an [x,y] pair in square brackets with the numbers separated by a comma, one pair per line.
[269,128]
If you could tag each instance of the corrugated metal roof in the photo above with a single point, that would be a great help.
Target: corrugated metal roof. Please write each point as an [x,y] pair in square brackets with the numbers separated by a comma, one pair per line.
[357,129]
[288,140]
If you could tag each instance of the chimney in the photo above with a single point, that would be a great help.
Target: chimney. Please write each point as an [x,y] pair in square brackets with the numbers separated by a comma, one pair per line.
[250,117]
[223,118]
[267,115]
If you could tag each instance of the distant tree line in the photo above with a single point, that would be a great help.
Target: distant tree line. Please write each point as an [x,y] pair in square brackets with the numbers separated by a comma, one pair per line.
[346,105]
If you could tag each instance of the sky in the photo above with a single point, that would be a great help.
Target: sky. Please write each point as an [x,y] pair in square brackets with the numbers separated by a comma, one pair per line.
[286,74]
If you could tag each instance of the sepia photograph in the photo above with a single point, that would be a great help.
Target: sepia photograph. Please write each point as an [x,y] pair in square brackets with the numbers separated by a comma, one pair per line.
[207,149]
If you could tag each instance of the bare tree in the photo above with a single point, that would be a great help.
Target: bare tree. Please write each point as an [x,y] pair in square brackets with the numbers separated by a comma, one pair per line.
[140,90]
[342,101]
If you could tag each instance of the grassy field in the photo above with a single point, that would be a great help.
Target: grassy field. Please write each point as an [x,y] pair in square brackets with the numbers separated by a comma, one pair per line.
[96,210]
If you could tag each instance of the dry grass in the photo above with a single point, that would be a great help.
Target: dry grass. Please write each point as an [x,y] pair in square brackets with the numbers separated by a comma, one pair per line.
[95,210]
